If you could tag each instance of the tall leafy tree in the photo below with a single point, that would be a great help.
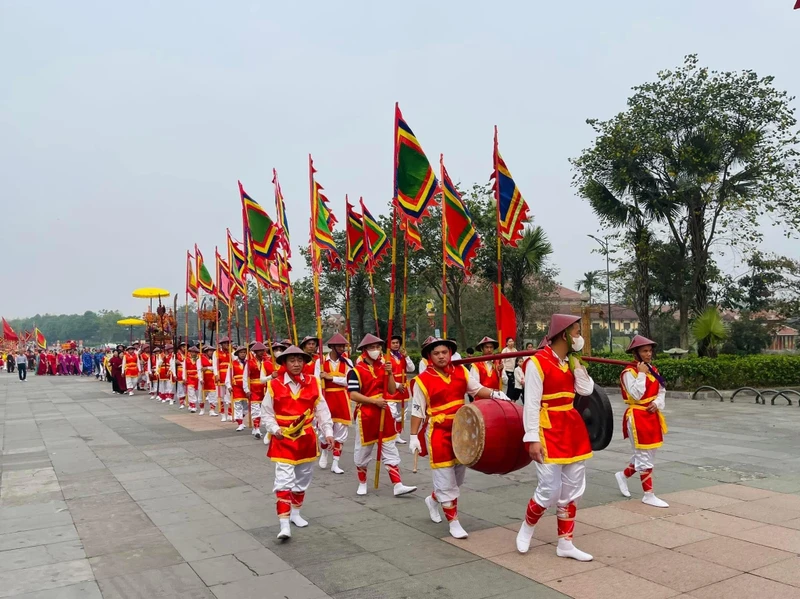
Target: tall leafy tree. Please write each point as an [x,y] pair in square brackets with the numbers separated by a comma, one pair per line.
[590,281]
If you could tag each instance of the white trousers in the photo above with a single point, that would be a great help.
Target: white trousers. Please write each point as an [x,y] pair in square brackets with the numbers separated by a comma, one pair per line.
[642,459]
[210,397]
[192,395]
[340,432]
[181,390]
[222,392]
[240,409]
[363,454]
[398,414]
[166,386]
[131,381]
[293,478]
[560,484]
[446,482]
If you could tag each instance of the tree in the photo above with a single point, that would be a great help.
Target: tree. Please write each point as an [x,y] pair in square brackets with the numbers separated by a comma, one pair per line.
[748,335]
[709,329]
[590,281]
[718,150]
[770,283]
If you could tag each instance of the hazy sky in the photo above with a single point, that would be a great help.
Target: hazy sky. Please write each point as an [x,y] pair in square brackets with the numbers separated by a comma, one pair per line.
[124,126]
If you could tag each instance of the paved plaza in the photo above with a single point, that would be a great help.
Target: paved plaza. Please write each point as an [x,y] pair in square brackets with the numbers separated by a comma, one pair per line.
[122,497]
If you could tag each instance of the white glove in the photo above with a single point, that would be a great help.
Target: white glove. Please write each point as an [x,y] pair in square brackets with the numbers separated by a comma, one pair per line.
[414,444]
[500,395]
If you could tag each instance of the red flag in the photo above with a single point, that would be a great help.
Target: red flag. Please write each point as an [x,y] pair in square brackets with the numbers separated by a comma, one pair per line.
[505,316]
[8,332]
[259,334]
[797,5]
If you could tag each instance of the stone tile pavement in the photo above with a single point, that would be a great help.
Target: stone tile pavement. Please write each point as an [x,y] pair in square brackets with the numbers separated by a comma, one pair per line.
[123,497]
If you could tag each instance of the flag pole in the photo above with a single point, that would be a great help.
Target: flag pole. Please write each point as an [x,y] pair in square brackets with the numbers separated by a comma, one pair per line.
[444,249]
[186,303]
[374,304]
[393,279]
[264,320]
[286,315]
[405,288]
[290,295]
[347,301]
[314,254]
[271,313]
[198,300]
[499,287]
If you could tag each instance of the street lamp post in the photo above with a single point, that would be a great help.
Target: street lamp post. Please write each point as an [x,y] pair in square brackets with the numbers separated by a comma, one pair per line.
[604,244]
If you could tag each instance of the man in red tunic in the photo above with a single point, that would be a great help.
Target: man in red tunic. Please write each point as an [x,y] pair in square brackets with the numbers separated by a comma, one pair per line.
[333,375]
[438,394]
[180,379]
[488,374]
[290,405]
[257,368]
[238,384]
[643,389]
[222,361]
[310,345]
[208,385]
[155,358]
[191,378]
[166,375]
[369,382]
[555,433]
[130,368]
[402,365]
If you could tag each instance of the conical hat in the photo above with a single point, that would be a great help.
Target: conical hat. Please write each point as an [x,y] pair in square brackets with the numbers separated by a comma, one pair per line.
[428,339]
[543,343]
[241,348]
[225,340]
[560,323]
[369,339]
[168,347]
[433,342]
[337,339]
[486,340]
[639,341]
[194,349]
[292,350]
[257,346]
[308,338]
[209,348]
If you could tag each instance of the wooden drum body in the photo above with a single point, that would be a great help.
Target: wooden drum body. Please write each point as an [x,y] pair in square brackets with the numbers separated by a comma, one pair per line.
[487,436]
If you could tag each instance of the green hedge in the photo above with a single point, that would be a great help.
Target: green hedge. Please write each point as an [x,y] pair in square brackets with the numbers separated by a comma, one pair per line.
[725,372]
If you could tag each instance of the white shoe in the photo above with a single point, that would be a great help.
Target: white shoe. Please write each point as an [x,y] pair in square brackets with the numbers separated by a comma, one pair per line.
[335,467]
[130,392]
[296,519]
[224,418]
[651,499]
[193,410]
[401,489]
[286,530]
[565,548]
[400,441]
[457,531]
[323,459]
[202,412]
[257,433]
[524,537]
[433,509]
[212,413]
[362,489]
[240,427]
[179,407]
[172,402]
[623,484]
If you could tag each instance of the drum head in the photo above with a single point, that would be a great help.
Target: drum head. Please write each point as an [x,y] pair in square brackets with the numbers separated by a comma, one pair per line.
[595,409]
[469,435]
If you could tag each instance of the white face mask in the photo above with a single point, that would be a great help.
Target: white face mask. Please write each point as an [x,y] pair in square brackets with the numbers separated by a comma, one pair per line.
[577,343]
[374,354]
[278,353]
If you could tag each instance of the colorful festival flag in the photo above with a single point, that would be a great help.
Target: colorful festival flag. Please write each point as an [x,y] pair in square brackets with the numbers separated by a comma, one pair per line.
[237,263]
[462,239]
[8,332]
[415,184]
[413,236]
[322,221]
[223,279]
[376,241]
[204,279]
[191,279]
[512,212]
[355,238]
[261,231]
[283,223]
[40,339]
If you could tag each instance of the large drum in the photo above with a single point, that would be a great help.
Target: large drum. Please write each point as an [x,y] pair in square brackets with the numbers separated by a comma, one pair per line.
[487,436]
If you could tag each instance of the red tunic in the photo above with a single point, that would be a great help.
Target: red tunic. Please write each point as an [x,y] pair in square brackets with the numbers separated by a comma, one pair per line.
[562,432]
[179,357]
[144,360]
[223,363]
[237,380]
[254,379]
[648,427]
[488,375]
[163,372]
[308,369]
[192,375]
[289,409]
[207,366]
[131,365]
[336,396]
[372,381]
[444,394]
[399,372]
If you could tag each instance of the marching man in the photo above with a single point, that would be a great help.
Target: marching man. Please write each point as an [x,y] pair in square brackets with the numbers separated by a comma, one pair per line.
[290,405]
[555,433]
[257,366]
[208,388]
[130,366]
[144,368]
[487,373]
[222,361]
[178,375]
[438,394]
[310,345]
[643,389]
[191,378]
[334,385]
[152,369]
[368,382]
[238,385]
[166,375]
[401,366]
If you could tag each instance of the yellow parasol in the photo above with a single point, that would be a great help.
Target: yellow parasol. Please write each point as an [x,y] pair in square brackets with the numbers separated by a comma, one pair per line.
[131,322]
[150,292]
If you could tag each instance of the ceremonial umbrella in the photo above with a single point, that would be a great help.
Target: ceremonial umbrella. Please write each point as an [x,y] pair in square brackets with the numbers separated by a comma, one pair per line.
[131,322]
[150,292]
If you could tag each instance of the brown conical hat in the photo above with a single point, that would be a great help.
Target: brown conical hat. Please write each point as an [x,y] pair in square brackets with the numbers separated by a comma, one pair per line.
[337,339]
[258,346]
[369,339]
[168,347]
[433,342]
[156,348]
[209,348]
[560,323]
[308,338]
[543,343]
[225,340]
[241,348]
[486,340]
[293,350]
[194,349]
[428,339]
[639,341]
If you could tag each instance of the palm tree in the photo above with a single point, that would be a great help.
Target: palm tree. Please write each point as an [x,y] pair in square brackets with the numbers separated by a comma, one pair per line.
[710,331]
[591,280]
[519,264]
